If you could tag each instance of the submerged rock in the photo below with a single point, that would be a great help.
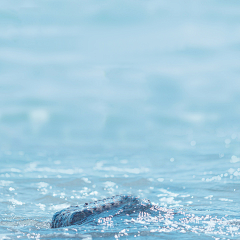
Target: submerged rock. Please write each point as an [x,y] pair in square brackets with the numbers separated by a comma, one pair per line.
[89,212]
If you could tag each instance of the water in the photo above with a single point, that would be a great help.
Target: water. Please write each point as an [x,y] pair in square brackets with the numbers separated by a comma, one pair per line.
[120,97]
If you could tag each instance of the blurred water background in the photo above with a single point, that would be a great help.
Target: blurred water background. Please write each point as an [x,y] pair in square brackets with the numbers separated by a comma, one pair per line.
[120,97]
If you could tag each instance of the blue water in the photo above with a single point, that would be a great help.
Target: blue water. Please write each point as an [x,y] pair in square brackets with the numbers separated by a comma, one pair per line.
[99,98]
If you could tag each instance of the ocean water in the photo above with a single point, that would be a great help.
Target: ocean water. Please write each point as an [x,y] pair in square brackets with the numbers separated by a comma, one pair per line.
[99,98]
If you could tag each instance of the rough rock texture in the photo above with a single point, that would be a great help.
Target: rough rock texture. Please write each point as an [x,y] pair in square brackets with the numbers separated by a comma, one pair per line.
[116,205]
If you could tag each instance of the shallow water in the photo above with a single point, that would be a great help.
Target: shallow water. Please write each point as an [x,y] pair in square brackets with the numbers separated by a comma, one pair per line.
[99,99]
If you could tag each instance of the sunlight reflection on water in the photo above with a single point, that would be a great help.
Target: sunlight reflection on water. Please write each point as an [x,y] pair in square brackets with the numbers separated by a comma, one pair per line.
[124,97]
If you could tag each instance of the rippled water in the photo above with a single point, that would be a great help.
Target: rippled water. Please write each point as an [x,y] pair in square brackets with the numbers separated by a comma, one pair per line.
[120,97]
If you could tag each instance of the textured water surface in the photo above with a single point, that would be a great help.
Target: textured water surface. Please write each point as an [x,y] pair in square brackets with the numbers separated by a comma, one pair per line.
[136,98]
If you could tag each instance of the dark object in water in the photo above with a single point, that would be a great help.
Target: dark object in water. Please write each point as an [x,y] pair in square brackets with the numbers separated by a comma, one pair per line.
[116,205]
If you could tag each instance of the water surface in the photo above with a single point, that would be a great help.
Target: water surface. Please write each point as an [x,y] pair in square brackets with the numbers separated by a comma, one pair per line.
[99,99]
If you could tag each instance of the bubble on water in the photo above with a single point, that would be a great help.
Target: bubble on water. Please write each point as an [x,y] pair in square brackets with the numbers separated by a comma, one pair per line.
[225,200]
[15,170]
[194,117]
[234,159]
[4,237]
[86,180]
[234,135]
[8,153]
[41,206]
[59,206]
[185,195]
[109,184]
[5,183]
[93,193]
[168,192]
[236,173]
[16,202]
[42,184]
[169,200]
[39,116]
[193,143]
[33,168]
[21,153]
[209,197]
[100,166]
[124,161]
[227,141]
